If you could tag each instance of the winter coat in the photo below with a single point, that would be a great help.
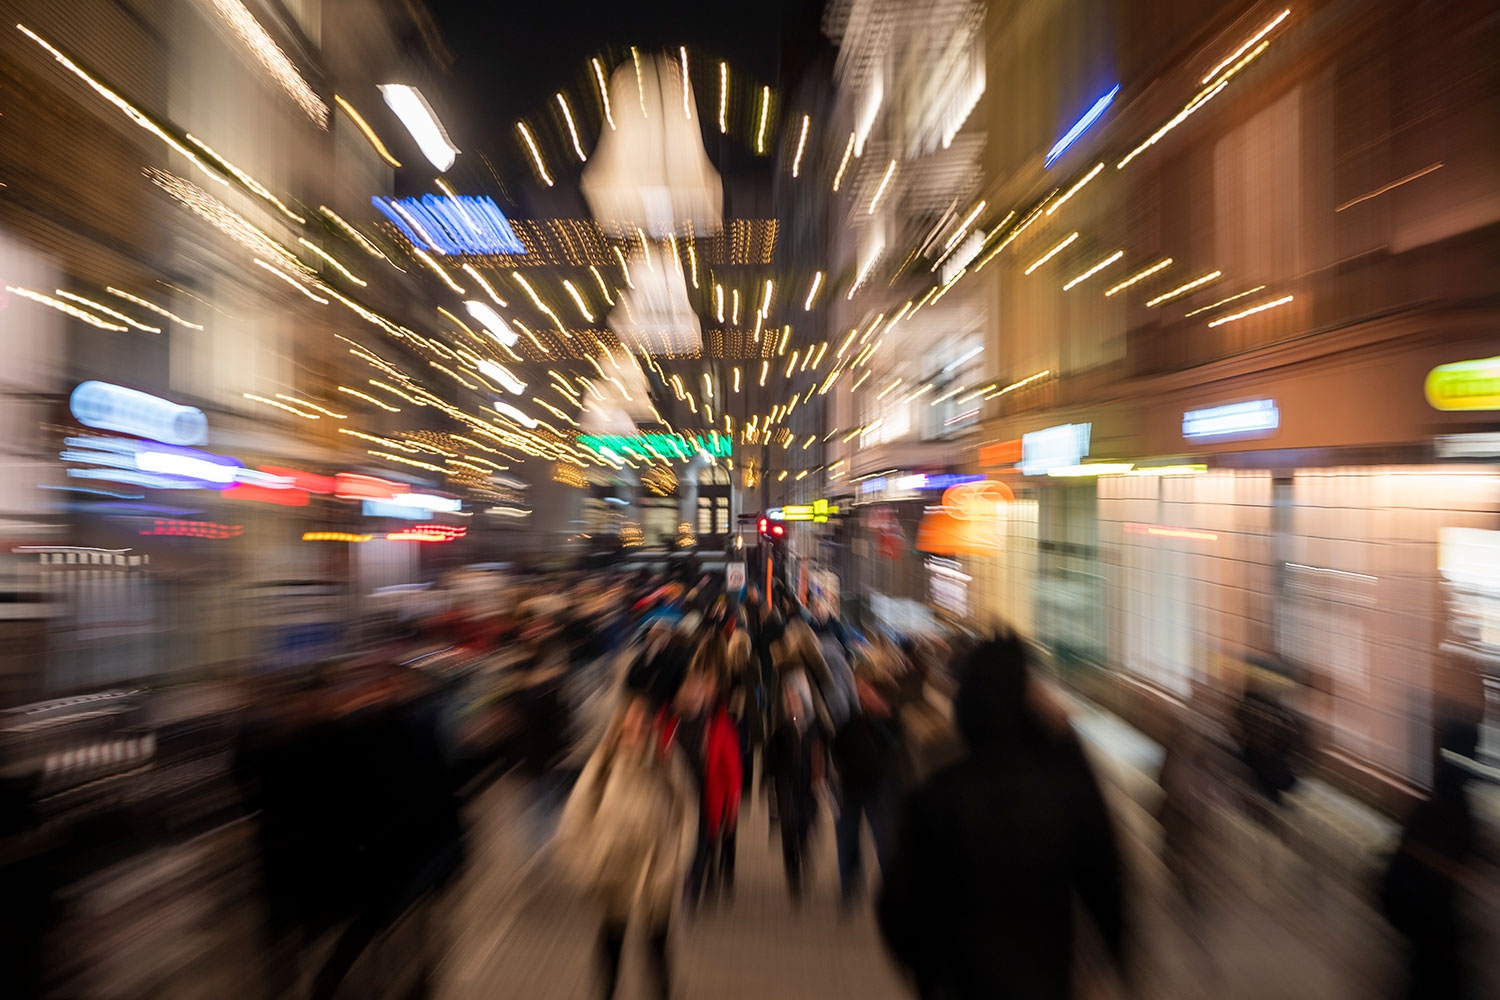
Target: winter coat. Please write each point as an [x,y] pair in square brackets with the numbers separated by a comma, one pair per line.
[628,831]
[723,774]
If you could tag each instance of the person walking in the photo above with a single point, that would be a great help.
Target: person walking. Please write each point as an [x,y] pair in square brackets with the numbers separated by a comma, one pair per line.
[794,765]
[992,851]
[866,751]
[627,836]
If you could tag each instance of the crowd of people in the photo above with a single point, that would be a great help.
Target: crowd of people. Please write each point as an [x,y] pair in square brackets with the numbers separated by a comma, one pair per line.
[988,825]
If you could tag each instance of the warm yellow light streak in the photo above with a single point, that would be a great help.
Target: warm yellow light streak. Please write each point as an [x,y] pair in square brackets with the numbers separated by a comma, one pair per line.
[578,299]
[838,178]
[975,394]
[1197,103]
[806,360]
[851,435]
[433,266]
[1185,288]
[693,262]
[723,98]
[536,299]
[624,268]
[1252,311]
[736,378]
[801,145]
[646,248]
[1051,253]
[603,92]
[963,227]
[247,180]
[405,461]
[719,301]
[765,368]
[1018,384]
[313,406]
[63,307]
[782,477]
[1010,237]
[455,376]
[847,341]
[870,428]
[370,399]
[786,335]
[280,406]
[1262,33]
[1140,275]
[921,390]
[1075,188]
[130,110]
[366,131]
[808,443]
[948,395]
[640,80]
[340,268]
[354,234]
[106,310]
[828,382]
[692,403]
[708,386]
[890,170]
[861,380]
[1086,275]
[765,114]
[822,349]
[792,363]
[291,281]
[562,102]
[735,309]
[488,289]
[765,301]
[1215,305]
[554,410]
[536,154]
[151,306]
[888,389]
[871,330]
[272,59]
[1390,187]
[812,293]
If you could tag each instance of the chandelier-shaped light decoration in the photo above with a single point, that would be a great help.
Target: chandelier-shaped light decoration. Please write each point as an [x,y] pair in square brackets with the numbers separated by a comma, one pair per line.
[651,173]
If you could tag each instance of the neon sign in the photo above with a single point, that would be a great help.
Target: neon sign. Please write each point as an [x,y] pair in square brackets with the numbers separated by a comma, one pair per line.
[1258,416]
[467,224]
[819,511]
[111,407]
[1079,127]
[662,445]
[1063,446]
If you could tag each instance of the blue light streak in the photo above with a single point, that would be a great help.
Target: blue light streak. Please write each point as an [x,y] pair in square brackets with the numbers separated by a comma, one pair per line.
[1079,127]
[468,224]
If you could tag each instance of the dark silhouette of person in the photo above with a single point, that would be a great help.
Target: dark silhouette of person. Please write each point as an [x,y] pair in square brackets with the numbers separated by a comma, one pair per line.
[994,850]
[1420,892]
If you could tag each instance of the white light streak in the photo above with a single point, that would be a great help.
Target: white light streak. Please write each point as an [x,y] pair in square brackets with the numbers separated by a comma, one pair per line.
[578,299]
[603,92]
[801,144]
[838,178]
[687,109]
[562,102]
[1051,253]
[106,310]
[291,281]
[420,120]
[274,61]
[367,131]
[1262,33]
[493,323]
[1197,103]
[536,154]
[503,375]
[1086,275]
[488,290]
[1215,305]
[963,227]
[518,416]
[765,113]
[63,307]
[340,268]
[723,98]
[884,181]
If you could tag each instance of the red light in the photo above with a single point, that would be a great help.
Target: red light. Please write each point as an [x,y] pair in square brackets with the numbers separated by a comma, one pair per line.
[763,525]
[262,494]
[778,531]
[352,486]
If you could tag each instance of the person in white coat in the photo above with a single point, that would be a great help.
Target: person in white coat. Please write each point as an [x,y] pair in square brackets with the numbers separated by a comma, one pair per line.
[628,833]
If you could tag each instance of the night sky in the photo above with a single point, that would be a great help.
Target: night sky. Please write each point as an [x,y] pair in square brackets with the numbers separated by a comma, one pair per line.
[511,58]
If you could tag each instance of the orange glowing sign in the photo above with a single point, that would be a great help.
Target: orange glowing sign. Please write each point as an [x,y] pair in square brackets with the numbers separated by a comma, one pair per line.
[969,522]
[1159,531]
[1001,453]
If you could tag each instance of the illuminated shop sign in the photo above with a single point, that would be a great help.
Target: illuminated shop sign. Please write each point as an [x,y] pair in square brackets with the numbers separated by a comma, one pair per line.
[115,408]
[1001,453]
[467,224]
[659,445]
[922,481]
[819,511]
[875,485]
[1465,385]
[1259,416]
[1063,446]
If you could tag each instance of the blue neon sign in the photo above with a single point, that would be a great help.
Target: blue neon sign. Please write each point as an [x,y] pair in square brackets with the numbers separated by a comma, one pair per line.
[1079,127]
[468,224]
[111,407]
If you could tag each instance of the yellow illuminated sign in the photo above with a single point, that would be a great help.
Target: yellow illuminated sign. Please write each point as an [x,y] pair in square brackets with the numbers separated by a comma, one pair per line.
[1465,385]
[819,511]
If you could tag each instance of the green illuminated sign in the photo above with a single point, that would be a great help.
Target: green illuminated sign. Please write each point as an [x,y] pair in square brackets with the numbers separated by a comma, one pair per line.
[659,445]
